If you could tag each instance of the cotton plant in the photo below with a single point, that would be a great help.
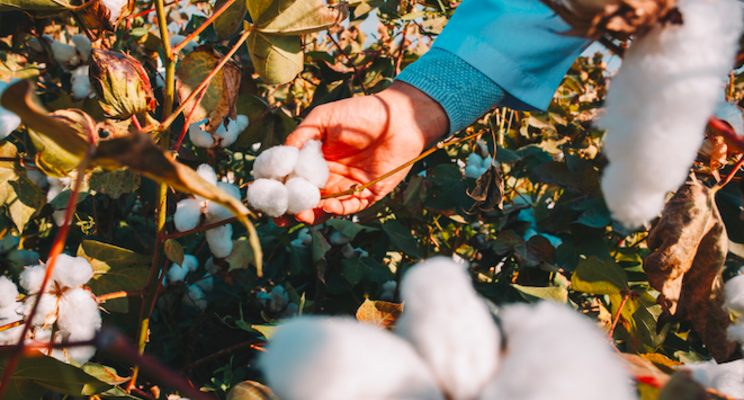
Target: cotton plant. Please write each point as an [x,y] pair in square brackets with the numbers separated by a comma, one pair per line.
[57,186]
[9,121]
[277,302]
[348,251]
[8,315]
[477,165]
[528,215]
[439,352]
[659,103]
[226,134]
[191,212]
[64,303]
[388,291]
[69,56]
[288,180]
[80,80]
[196,293]
[304,238]
[728,377]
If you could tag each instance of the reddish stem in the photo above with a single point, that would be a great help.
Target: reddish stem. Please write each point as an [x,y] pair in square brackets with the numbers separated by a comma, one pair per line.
[619,312]
[203,26]
[119,295]
[731,174]
[222,352]
[724,130]
[188,120]
[199,228]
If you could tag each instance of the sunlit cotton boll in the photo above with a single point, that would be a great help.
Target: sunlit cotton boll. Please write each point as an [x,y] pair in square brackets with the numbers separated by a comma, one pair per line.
[659,104]
[216,212]
[187,215]
[727,378]
[311,164]
[734,292]
[176,274]
[269,196]
[230,133]
[220,240]
[8,121]
[8,293]
[553,352]
[303,195]
[195,298]
[115,7]
[736,332]
[45,313]
[199,137]
[206,172]
[314,359]
[450,326]
[70,272]
[275,163]
[80,318]
[32,277]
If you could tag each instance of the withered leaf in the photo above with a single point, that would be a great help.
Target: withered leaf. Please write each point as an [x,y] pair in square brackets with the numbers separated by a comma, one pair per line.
[379,313]
[174,251]
[689,247]
[249,390]
[489,191]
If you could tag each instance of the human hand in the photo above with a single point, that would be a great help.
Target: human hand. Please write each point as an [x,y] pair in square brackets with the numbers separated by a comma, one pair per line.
[365,138]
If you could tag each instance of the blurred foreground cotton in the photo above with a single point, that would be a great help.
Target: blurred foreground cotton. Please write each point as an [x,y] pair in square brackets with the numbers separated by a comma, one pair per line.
[446,346]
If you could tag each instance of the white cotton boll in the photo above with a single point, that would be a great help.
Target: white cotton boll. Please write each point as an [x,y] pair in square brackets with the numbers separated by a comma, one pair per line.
[82,44]
[37,178]
[190,263]
[211,267]
[736,332]
[8,293]
[176,274]
[471,171]
[588,367]
[59,217]
[199,137]
[114,7]
[459,343]
[269,196]
[70,272]
[45,313]
[206,172]
[734,292]
[220,241]
[303,195]
[276,162]
[56,186]
[78,314]
[339,239]
[175,40]
[660,102]
[487,163]
[206,283]
[311,164]
[9,315]
[234,128]
[32,277]
[195,298]
[188,214]
[80,81]
[727,378]
[65,54]
[333,359]
[216,212]
[388,291]
[731,113]
[8,120]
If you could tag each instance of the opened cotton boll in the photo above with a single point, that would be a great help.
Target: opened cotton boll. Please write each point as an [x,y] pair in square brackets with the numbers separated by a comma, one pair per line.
[198,136]
[269,196]
[206,283]
[71,272]
[725,378]
[188,214]
[32,277]
[8,121]
[216,212]
[46,313]
[734,292]
[82,45]
[275,301]
[228,135]
[220,241]
[206,172]
[115,8]
[195,298]
[275,163]
[177,274]
[311,164]
[66,55]
[388,291]
[302,195]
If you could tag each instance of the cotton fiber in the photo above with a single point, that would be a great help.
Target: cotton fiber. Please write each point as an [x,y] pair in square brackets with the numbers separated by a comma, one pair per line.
[80,81]
[78,314]
[555,353]
[8,293]
[477,166]
[275,163]
[734,292]
[315,359]
[230,133]
[176,274]
[65,54]
[206,283]
[450,326]
[37,178]
[727,378]
[275,301]
[220,241]
[216,212]
[70,272]
[269,196]
[82,45]
[659,104]
[302,195]
[311,164]
[46,313]
[115,7]
[206,172]
[187,215]
[32,277]
[195,298]
[198,136]
[8,121]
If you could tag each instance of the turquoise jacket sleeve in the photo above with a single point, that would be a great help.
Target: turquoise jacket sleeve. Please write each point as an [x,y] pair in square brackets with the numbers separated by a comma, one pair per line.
[517,45]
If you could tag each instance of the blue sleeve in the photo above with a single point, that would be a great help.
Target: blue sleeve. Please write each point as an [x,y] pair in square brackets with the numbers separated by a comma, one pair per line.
[516,48]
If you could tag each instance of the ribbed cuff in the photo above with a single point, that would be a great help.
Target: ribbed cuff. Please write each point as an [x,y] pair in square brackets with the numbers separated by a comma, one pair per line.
[464,92]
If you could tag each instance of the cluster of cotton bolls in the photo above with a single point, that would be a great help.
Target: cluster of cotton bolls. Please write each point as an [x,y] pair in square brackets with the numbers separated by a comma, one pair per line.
[223,137]
[727,378]
[57,186]
[191,211]
[659,103]
[65,303]
[196,294]
[477,166]
[528,215]
[74,58]
[277,302]
[442,352]
[9,121]
[288,180]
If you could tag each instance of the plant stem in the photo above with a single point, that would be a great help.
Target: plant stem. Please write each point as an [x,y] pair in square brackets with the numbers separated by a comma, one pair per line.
[202,27]
[188,122]
[200,228]
[351,62]
[119,295]
[11,325]
[440,145]
[619,312]
[222,352]
[730,176]
[724,130]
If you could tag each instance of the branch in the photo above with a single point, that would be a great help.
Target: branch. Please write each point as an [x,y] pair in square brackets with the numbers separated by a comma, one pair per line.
[356,71]
[119,295]
[619,312]
[203,26]
[200,228]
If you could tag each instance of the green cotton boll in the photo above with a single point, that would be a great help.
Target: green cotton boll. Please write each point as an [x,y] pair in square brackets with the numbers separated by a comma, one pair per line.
[121,84]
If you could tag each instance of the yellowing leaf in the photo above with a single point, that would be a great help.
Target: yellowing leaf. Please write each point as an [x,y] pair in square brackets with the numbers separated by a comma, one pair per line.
[379,313]
[174,251]
[229,21]
[24,199]
[300,17]
[597,276]
[241,256]
[277,59]
[34,5]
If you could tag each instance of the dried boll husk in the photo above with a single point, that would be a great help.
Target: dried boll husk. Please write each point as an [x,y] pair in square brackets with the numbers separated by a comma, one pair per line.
[616,18]
[121,84]
[107,14]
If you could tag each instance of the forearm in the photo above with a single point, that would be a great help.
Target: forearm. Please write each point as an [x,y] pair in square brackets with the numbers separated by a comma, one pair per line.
[421,112]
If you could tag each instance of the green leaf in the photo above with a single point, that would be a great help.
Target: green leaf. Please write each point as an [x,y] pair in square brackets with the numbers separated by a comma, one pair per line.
[277,59]
[34,5]
[349,228]
[533,294]
[24,199]
[401,238]
[104,373]
[231,20]
[354,270]
[257,111]
[115,183]
[295,17]
[54,375]
[114,269]
[241,256]
[320,247]
[174,251]
[597,276]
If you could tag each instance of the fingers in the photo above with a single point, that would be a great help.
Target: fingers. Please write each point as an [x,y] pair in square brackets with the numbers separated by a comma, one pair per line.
[313,217]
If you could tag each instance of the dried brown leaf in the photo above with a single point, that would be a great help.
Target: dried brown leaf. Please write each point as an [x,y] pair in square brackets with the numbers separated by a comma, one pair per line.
[379,313]
[489,191]
[689,247]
